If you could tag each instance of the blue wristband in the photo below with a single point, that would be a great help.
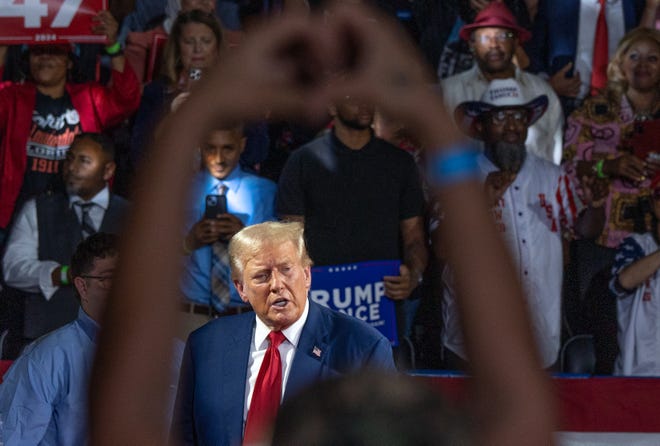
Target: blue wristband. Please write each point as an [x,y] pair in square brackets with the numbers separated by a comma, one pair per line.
[453,165]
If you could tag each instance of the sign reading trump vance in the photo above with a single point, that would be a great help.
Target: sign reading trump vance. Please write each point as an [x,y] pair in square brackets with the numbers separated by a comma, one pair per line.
[357,289]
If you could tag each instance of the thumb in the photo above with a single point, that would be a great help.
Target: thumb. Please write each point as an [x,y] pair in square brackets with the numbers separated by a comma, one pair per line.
[404,271]
[566,67]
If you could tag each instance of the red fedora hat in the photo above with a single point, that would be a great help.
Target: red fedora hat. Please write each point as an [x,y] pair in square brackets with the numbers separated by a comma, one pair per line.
[495,15]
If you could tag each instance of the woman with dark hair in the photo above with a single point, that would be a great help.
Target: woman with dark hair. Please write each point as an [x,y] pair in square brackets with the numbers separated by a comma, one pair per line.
[193,46]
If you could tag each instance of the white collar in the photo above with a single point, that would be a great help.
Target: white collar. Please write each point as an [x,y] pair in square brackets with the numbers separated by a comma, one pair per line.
[292,333]
[101,199]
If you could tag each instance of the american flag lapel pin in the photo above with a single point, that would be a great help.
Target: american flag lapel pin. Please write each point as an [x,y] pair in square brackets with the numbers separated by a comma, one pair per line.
[316,352]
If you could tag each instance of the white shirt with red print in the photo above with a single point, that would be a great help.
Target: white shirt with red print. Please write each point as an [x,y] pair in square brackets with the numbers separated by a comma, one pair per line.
[535,210]
[638,312]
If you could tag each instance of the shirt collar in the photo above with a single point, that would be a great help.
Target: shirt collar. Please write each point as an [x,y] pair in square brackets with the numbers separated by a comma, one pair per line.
[232,181]
[101,199]
[336,142]
[89,325]
[517,75]
[292,333]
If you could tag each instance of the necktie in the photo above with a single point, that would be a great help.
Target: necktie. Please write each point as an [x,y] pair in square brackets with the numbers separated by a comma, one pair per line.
[267,392]
[86,223]
[220,271]
[601,53]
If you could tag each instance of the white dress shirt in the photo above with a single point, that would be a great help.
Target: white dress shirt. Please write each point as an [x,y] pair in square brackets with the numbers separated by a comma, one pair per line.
[258,348]
[530,217]
[616,28]
[21,265]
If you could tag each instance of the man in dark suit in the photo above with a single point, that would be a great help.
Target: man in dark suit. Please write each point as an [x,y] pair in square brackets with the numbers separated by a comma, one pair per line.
[47,230]
[563,40]
[228,361]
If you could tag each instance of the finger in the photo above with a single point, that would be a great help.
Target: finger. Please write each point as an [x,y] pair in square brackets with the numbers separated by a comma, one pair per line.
[652,166]
[637,167]
[395,293]
[387,58]
[392,279]
[565,68]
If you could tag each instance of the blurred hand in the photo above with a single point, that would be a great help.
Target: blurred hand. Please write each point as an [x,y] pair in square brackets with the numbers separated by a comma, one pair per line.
[626,166]
[296,66]
[105,23]
[566,86]
[203,233]
[652,166]
[281,67]
[382,66]
[594,190]
[228,225]
[496,184]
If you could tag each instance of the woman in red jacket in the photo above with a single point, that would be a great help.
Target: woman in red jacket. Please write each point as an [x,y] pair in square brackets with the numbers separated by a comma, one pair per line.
[40,117]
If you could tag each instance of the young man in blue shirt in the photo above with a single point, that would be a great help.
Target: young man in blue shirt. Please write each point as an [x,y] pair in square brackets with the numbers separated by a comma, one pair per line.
[43,398]
[206,286]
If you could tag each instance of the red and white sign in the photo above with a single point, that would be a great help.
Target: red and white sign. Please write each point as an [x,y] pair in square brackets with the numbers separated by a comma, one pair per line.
[49,21]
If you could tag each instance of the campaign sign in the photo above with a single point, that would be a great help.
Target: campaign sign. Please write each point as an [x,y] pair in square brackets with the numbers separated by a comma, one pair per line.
[49,21]
[358,290]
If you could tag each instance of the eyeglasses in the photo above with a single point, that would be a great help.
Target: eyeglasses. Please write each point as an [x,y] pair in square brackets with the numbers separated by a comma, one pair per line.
[500,117]
[499,37]
[104,281]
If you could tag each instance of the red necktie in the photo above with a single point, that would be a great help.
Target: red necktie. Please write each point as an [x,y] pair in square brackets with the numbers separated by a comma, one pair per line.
[267,392]
[601,53]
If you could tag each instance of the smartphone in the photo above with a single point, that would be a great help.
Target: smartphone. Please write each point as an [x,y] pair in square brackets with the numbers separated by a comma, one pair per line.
[215,205]
[560,62]
[195,74]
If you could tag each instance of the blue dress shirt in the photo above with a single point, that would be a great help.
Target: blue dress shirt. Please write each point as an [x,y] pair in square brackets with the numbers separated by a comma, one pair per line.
[43,398]
[250,198]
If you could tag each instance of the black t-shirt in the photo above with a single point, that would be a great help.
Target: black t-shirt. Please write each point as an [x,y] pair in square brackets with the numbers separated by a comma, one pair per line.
[353,200]
[55,122]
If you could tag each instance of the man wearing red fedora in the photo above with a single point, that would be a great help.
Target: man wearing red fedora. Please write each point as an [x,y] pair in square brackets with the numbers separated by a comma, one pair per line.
[493,38]
[533,204]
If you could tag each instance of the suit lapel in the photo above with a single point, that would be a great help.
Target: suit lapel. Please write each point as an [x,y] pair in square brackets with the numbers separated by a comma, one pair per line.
[310,362]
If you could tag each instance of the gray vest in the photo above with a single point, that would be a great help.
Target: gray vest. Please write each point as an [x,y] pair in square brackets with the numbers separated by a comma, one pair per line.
[59,234]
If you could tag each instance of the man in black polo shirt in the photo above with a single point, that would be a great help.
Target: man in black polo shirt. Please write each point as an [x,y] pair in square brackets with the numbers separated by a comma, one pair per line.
[359,197]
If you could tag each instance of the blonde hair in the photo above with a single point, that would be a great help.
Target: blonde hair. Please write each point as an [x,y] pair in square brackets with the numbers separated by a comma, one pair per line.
[248,242]
[617,81]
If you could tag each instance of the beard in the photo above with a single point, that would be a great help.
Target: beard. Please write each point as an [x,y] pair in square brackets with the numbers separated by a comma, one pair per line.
[355,123]
[508,157]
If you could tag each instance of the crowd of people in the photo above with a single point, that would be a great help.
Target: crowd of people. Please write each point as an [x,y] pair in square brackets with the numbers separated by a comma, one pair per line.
[314,136]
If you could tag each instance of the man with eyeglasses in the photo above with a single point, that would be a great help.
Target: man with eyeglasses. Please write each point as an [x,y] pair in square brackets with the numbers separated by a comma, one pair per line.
[493,37]
[45,233]
[43,397]
[533,205]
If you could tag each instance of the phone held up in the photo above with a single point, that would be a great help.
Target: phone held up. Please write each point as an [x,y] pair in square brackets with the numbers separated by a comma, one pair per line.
[215,205]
